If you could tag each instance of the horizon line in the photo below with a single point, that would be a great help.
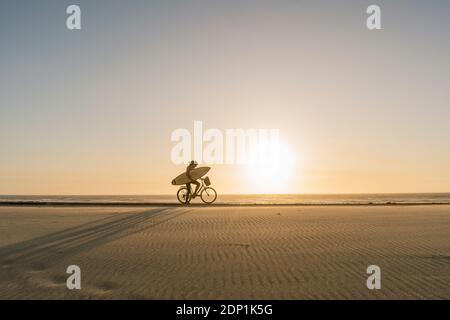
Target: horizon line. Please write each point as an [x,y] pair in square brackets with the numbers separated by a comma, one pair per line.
[222,194]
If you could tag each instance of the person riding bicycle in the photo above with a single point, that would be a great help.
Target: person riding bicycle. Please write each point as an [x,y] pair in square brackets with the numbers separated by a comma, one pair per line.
[189,168]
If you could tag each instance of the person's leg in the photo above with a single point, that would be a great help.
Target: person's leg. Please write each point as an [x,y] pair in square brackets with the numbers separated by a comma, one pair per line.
[188,186]
[197,187]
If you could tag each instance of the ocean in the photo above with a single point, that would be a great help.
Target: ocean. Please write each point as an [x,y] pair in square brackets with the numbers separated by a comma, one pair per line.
[285,199]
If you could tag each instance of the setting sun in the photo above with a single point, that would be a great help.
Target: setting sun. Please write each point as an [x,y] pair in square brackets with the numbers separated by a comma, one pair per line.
[270,166]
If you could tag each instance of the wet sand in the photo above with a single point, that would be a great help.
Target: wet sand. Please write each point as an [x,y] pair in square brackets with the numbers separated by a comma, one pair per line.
[273,252]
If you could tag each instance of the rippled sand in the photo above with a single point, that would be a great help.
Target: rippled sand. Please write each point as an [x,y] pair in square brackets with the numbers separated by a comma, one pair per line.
[225,252]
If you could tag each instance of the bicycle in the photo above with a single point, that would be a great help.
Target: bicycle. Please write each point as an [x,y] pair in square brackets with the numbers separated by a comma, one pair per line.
[207,193]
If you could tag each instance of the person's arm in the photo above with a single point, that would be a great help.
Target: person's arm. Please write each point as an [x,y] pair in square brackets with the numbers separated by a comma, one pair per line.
[188,172]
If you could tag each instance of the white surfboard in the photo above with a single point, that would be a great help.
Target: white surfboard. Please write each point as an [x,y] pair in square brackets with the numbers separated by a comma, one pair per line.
[195,174]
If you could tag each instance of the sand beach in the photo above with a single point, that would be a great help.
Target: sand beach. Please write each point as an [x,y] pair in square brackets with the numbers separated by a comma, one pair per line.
[260,252]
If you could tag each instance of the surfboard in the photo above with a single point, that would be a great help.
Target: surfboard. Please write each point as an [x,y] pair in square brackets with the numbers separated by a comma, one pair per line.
[195,174]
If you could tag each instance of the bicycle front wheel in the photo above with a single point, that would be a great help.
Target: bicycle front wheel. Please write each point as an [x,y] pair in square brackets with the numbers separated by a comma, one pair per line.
[209,195]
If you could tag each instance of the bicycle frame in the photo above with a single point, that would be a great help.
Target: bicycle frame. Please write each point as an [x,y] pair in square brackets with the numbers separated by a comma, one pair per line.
[202,187]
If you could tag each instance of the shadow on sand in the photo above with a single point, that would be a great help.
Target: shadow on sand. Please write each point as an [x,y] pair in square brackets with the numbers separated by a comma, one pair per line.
[40,251]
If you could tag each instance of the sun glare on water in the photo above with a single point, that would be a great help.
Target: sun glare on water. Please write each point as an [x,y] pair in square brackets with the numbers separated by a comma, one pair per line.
[270,167]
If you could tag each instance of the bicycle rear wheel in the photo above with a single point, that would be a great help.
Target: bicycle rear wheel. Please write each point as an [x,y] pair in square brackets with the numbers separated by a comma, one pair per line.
[183,195]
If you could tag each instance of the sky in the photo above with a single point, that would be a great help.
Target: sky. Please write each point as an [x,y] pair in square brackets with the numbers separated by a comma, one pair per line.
[91,111]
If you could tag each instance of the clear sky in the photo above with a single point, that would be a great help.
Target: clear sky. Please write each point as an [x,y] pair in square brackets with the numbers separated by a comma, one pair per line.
[92,111]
